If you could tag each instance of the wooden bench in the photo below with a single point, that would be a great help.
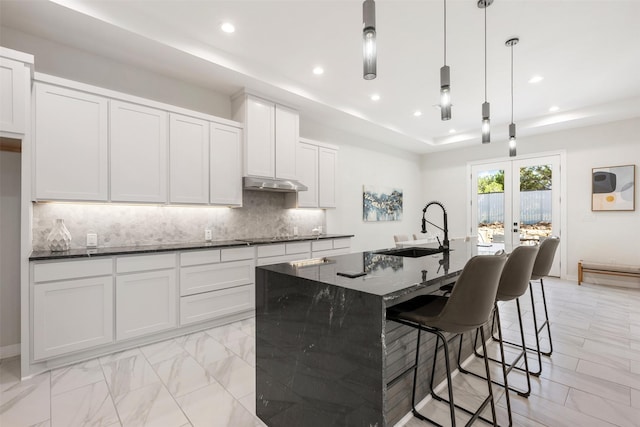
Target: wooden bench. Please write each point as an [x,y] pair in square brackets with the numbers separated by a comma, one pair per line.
[608,269]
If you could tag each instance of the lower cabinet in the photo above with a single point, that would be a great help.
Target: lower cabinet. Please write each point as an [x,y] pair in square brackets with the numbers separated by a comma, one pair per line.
[330,247]
[216,304]
[145,303]
[71,315]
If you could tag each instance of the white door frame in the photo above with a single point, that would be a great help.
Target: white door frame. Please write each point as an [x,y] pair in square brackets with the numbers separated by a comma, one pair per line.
[563,196]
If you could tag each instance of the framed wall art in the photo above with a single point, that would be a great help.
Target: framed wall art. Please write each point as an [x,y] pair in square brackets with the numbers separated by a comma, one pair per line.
[613,188]
[381,204]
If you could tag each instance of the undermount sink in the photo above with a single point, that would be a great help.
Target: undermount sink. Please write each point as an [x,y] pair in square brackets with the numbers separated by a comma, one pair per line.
[412,252]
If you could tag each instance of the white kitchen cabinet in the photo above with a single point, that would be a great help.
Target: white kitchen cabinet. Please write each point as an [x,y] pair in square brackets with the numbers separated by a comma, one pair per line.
[146,298]
[72,306]
[138,153]
[327,165]
[214,305]
[287,133]
[225,183]
[271,135]
[307,166]
[15,71]
[71,151]
[213,277]
[330,247]
[188,160]
[283,252]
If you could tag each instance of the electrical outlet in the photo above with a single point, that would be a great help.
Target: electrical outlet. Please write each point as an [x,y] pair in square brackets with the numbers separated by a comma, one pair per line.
[208,235]
[92,240]
[295,230]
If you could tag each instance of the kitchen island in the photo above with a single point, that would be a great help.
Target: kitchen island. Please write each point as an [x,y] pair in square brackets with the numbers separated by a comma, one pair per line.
[325,352]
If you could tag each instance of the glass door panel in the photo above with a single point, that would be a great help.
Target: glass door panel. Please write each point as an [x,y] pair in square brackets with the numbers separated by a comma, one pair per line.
[491,205]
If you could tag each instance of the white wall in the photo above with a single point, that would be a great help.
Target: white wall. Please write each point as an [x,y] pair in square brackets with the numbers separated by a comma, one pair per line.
[9,252]
[74,64]
[362,162]
[596,236]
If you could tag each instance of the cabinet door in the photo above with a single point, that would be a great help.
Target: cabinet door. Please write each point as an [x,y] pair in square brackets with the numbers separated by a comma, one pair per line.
[145,303]
[287,134]
[13,96]
[327,164]
[138,153]
[188,160]
[70,145]
[308,174]
[226,165]
[259,138]
[72,315]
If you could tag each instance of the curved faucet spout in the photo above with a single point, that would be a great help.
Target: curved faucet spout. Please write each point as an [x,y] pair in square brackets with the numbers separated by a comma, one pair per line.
[445,228]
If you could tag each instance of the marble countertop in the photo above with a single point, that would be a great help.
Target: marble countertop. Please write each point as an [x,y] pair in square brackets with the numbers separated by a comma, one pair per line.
[389,276]
[131,250]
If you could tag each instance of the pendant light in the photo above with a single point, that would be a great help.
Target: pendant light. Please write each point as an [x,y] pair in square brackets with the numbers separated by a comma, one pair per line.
[369,39]
[445,86]
[486,111]
[512,126]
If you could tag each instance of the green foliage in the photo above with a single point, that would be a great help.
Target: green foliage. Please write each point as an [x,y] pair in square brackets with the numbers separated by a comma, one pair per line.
[531,178]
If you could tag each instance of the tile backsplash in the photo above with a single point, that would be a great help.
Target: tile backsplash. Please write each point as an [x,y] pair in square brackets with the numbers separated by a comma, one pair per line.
[263,215]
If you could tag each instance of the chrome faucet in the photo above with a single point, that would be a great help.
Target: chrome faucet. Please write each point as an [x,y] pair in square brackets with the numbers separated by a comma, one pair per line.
[444,245]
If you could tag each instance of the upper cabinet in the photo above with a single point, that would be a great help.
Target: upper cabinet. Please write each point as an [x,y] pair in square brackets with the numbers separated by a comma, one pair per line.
[138,153]
[70,144]
[15,77]
[188,160]
[225,185]
[98,145]
[271,135]
[316,163]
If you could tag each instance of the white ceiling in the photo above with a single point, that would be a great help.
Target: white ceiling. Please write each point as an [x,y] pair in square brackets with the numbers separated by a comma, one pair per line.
[587,51]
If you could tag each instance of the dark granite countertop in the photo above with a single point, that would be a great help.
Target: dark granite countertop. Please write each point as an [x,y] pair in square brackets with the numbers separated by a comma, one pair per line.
[142,249]
[389,276]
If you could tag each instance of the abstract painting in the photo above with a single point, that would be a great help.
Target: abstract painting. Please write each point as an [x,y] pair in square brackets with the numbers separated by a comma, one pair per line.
[381,204]
[613,188]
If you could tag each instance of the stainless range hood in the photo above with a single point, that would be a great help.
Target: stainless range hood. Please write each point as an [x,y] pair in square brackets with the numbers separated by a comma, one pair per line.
[269,184]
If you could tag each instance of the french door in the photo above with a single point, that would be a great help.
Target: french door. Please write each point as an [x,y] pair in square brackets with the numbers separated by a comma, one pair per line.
[516,202]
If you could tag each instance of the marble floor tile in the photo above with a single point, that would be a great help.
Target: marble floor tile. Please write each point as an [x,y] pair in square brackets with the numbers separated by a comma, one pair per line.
[182,374]
[635,398]
[213,406]
[609,374]
[89,405]
[205,349]
[76,376]
[605,410]
[226,334]
[235,375]
[249,402]
[162,351]
[151,405]
[245,349]
[127,373]
[24,403]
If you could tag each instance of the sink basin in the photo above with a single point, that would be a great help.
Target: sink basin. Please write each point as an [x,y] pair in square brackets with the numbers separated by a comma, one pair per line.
[411,252]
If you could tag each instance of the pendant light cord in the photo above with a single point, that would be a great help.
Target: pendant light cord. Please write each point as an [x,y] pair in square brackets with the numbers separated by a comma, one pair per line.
[485,52]
[512,83]
[445,32]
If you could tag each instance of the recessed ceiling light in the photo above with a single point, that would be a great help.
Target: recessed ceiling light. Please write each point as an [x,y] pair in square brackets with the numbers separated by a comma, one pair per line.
[417,113]
[228,27]
[318,71]
[536,79]
[553,109]
[452,131]
[375,97]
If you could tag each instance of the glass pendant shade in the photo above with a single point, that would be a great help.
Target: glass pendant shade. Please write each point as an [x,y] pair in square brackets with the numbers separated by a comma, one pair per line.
[369,40]
[512,140]
[445,94]
[486,123]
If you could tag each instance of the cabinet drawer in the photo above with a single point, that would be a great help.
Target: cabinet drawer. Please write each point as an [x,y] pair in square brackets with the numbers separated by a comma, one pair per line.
[211,305]
[72,315]
[72,269]
[298,247]
[282,258]
[204,278]
[145,262]
[199,257]
[236,254]
[322,245]
[271,250]
[341,243]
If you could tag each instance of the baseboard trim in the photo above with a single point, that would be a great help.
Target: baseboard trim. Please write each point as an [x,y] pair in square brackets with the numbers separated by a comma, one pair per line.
[9,351]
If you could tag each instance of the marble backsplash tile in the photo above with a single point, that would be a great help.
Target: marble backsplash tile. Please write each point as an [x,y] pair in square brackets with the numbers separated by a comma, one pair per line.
[263,215]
